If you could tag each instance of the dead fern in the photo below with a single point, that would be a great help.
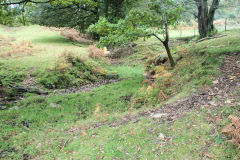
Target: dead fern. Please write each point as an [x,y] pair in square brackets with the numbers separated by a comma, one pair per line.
[74,35]
[19,50]
[95,52]
[233,130]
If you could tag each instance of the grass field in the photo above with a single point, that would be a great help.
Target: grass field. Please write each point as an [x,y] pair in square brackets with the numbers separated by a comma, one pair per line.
[61,126]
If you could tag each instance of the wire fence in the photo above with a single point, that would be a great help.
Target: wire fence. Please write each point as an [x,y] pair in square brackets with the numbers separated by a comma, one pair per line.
[221,26]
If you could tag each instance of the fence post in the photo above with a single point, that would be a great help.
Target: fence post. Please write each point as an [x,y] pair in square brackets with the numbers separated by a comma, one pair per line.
[225,24]
[194,32]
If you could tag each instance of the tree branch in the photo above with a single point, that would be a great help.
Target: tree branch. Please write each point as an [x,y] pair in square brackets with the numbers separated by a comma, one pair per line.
[158,37]
[23,1]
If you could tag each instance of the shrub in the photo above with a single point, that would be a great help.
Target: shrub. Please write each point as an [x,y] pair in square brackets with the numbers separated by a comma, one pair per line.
[10,75]
[24,48]
[72,71]
[95,52]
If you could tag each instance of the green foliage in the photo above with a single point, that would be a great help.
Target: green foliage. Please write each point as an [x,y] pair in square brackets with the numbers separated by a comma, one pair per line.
[10,75]
[79,14]
[73,71]
[6,16]
[138,23]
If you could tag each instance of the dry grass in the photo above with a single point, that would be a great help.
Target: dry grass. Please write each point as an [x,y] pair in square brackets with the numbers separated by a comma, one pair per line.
[95,52]
[62,63]
[5,42]
[74,35]
[233,130]
[22,49]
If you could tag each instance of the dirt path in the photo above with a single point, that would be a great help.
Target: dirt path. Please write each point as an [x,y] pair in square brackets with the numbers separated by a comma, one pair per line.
[220,94]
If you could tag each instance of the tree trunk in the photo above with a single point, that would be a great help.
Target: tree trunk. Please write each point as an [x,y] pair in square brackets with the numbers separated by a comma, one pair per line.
[202,18]
[23,16]
[211,14]
[165,42]
[206,16]
[169,54]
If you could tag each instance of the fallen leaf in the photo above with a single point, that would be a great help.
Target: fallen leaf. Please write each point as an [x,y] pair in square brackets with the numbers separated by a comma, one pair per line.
[138,148]
[97,110]
[209,155]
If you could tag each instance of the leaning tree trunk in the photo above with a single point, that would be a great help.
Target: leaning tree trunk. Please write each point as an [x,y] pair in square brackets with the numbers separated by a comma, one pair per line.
[206,16]
[169,54]
[166,41]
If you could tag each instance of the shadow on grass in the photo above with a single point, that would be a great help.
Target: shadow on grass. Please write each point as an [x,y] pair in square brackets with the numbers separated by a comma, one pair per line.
[52,40]
[59,41]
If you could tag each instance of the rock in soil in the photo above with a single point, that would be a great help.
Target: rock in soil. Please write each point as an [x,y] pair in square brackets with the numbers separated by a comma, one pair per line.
[14,108]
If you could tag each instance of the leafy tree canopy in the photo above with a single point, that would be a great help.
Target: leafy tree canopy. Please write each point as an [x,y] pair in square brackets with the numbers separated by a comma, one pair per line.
[73,13]
[139,22]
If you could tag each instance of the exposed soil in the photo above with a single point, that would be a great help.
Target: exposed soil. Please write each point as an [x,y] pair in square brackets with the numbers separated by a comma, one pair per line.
[30,84]
[30,81]
[5,152]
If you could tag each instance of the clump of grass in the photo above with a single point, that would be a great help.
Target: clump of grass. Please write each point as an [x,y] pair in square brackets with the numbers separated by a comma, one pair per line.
[25,48]
[10,75]
[142,53]
[4,44]
[197,66]
[95,52]
[71,71]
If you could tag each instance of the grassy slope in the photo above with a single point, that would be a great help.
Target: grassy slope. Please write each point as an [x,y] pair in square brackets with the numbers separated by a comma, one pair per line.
[37,111]
[61,132]
[50,45]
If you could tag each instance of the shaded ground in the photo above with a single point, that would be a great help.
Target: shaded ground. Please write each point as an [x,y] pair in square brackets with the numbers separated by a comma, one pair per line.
[84,88]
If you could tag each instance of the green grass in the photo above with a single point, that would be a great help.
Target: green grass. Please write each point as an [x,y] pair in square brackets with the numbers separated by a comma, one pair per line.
[198,65]
[39,114]
[57,110]
[50,45]
[60,126]
[188,138]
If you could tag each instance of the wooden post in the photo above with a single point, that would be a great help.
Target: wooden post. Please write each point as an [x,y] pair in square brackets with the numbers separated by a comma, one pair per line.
[194,31]
[225,24]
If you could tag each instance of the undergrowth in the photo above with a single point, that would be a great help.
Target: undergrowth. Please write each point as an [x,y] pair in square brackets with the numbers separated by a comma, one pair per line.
[62,126]
[72,71]
[197,66]
[10,75]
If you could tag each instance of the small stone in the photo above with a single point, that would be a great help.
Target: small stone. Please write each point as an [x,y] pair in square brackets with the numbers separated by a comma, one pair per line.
[215,82]
[229,101]
[2,107]
[212,103]
[54,105]
[14,108]
[161,136]
[159,115]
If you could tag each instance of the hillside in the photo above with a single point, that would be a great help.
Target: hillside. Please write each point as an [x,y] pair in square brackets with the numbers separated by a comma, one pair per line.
[105,108]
